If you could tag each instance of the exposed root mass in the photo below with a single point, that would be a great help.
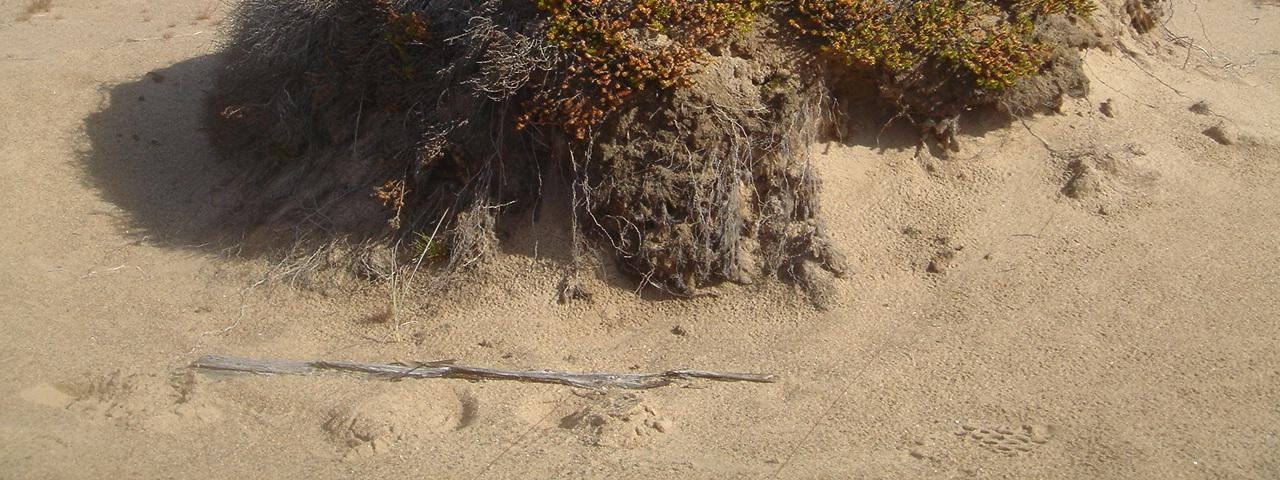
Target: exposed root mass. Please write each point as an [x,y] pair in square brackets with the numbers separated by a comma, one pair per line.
[684,125]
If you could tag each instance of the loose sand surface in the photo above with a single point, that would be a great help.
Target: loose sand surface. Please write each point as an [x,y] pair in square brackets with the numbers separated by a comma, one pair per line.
[1103,301]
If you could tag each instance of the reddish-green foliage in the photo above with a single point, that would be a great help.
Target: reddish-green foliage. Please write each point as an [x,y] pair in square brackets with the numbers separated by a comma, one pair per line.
[987,42]
[616,48]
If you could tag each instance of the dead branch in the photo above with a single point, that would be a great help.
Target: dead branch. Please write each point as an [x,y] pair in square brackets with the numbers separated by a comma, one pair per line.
[396,371]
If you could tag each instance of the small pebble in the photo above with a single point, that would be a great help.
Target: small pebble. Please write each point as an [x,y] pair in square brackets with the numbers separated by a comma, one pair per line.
[1108,108]
[662,425]
[941,262]
[1201,108]
[1222,133]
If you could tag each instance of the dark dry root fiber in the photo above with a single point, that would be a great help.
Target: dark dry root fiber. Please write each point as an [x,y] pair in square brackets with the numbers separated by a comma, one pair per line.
[714,183]
[684,125]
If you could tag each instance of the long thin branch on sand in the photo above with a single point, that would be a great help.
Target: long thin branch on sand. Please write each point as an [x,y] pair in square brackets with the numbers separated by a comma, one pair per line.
[395,371]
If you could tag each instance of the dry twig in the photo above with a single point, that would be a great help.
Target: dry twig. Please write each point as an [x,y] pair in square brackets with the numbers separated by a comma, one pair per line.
[395,371]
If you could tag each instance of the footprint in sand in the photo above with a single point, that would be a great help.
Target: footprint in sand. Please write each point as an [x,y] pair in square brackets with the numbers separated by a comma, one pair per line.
[617,420]
[129,400]
[1007,441]
[375,425]
[1105,182]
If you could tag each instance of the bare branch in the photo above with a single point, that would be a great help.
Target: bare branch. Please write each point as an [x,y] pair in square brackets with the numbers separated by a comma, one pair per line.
[396,371]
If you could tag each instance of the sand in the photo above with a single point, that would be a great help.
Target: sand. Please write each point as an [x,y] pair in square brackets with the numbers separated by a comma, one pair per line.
[1086,295]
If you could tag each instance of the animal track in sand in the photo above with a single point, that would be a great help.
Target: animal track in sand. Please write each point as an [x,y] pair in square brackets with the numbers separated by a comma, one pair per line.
[1106,182]
[617,420]
[1008,441]
[375,425]
[131,400]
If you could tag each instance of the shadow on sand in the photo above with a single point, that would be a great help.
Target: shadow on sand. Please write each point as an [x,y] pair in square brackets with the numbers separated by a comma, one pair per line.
[149,155]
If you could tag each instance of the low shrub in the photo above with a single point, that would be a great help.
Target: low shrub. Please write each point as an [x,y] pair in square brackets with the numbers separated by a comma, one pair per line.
[684,126]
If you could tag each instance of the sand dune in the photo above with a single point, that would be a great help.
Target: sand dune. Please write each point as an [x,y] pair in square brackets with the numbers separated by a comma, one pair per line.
[1092,294]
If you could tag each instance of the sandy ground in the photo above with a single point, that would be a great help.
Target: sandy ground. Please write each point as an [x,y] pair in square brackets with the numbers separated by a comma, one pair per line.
[1108,310]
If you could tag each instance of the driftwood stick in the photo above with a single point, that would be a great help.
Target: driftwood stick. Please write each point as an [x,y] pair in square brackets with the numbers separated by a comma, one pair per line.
[592,380]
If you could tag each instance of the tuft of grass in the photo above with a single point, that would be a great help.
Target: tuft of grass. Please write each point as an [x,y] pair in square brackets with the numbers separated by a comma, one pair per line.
[34,8]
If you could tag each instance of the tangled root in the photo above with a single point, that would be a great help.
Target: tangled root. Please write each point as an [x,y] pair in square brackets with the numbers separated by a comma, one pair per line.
[715,183]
